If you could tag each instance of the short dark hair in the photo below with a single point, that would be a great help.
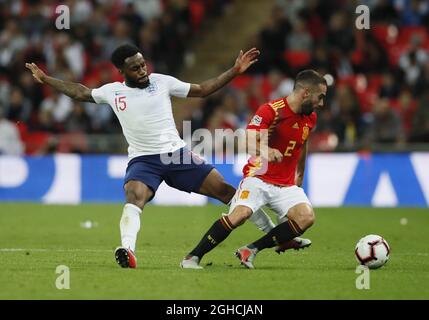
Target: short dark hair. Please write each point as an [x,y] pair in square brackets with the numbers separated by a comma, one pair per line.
[121,53]
[310,78]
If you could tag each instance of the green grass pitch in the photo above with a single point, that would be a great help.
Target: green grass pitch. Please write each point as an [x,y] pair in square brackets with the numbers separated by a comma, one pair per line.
[35,239]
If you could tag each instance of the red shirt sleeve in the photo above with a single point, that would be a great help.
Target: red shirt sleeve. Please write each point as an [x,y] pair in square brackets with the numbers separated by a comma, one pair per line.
[263,118]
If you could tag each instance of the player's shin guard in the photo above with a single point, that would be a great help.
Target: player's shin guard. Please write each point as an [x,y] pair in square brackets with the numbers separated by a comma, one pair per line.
[261,219]
[283,232]
[218,232]
[130,225]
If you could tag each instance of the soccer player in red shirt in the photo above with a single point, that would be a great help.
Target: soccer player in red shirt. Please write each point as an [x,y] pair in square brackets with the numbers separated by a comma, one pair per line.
[277,141]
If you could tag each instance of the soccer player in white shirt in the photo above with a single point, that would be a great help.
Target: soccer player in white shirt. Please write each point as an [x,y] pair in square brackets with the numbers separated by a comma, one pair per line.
[142,104]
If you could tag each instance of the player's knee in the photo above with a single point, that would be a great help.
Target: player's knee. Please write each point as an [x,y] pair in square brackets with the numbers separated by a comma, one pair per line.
[240,215]
[135,196]
[306,218]
[310,219]
[303,215]
[132,197]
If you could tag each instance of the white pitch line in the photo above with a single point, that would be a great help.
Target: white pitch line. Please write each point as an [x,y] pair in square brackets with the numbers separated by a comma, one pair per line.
[424,254]
[53,250]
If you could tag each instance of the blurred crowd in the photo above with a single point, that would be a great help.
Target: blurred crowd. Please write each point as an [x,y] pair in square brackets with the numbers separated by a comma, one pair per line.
[379,93]
[380,76]
[28,33]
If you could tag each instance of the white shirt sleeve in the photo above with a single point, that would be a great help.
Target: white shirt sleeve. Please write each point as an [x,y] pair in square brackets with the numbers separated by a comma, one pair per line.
[99,95]
[177,88]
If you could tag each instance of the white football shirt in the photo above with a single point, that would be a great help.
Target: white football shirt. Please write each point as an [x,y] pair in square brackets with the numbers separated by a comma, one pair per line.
[146,115]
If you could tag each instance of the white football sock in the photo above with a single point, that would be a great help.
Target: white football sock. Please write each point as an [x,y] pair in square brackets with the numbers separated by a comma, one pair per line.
[130,225]
[261,219]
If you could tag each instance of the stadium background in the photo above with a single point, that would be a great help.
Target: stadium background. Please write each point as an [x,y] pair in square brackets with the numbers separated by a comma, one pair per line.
[370,148]
[378,103]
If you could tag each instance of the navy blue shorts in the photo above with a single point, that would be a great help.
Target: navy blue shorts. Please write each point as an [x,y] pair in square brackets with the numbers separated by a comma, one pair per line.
[182,170]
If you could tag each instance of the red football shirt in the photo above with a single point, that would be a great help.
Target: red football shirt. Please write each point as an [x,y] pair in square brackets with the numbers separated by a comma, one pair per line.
[287,132]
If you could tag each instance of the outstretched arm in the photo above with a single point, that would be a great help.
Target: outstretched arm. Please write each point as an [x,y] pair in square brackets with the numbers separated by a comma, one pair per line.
[242,63]
[73,90]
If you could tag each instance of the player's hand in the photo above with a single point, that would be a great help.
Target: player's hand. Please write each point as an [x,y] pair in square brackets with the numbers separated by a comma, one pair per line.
[274,155]
[38,74]
[245,60]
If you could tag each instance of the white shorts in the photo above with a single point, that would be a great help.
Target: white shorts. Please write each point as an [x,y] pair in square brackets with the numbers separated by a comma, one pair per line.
[255,193]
